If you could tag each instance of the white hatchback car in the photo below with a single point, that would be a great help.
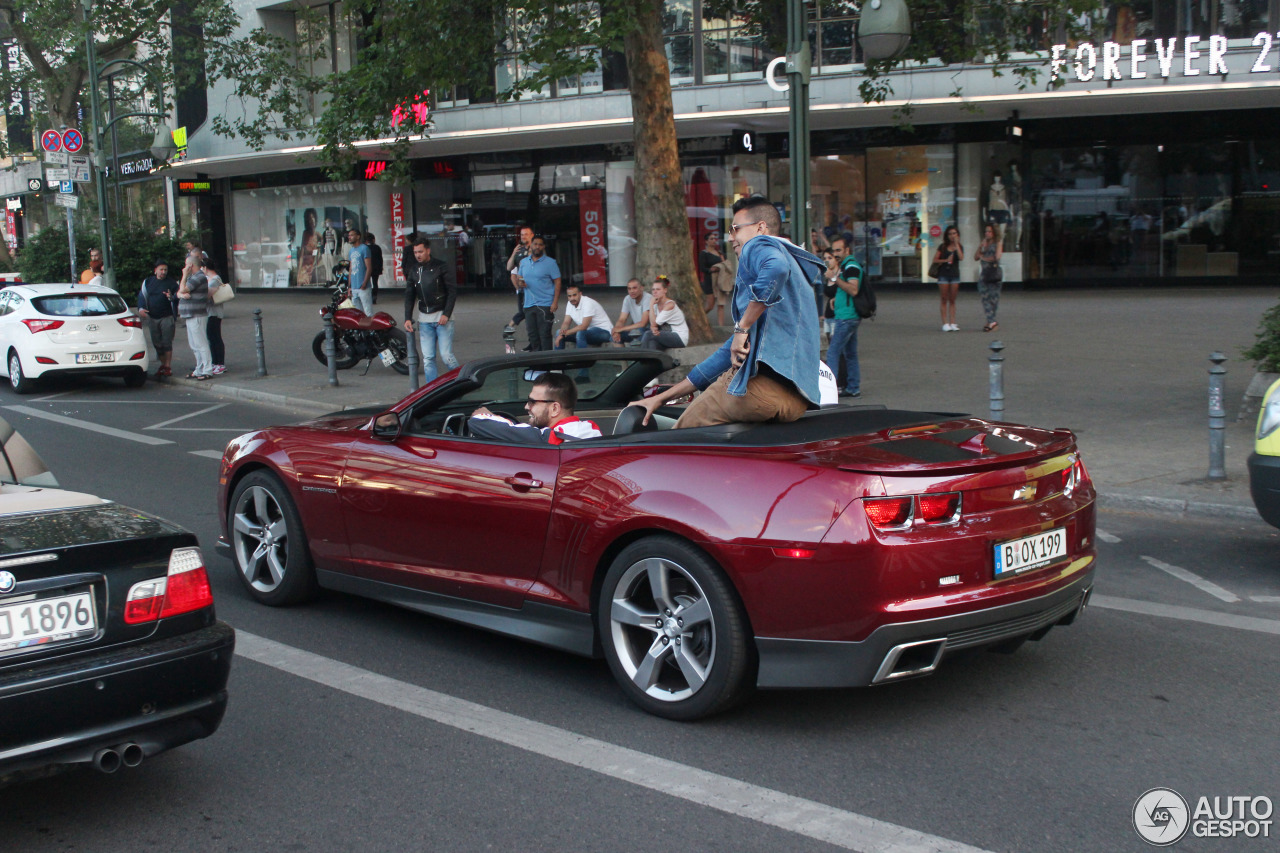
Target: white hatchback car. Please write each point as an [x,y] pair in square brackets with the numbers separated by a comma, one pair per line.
[61,329]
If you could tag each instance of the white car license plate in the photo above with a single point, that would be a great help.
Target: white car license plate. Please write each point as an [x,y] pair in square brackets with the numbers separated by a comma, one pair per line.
[1030,552]
[94,357]
[46,620]
[388,357]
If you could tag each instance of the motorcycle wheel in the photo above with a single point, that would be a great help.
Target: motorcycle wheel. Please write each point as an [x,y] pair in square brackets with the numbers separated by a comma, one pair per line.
[344,356]
[398,343]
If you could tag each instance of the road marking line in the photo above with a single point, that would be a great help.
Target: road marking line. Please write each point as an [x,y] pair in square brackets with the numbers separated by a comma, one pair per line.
[742,799]
[1195,580]
[92,427]
[203,411]
[1266,599]
[49,397]
[207,454]
[1187,614]
[1109,538]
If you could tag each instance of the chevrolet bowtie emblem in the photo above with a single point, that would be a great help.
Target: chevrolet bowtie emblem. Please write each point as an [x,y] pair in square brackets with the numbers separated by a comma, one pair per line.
[1024,493]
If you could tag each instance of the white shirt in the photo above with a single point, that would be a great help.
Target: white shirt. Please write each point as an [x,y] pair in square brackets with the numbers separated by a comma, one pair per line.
[673,317]
[588,307]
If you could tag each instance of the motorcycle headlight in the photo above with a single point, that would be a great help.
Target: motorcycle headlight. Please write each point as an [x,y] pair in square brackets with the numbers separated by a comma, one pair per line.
[1269,417]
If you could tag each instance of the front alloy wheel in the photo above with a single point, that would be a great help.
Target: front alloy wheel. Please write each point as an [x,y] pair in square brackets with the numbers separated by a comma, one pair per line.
[267,542]
[673,630]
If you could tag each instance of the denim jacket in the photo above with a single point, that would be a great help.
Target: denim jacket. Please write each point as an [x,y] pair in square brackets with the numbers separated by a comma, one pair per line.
[785,337]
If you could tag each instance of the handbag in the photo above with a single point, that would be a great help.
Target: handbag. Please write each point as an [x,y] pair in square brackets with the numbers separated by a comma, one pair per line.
[992,273]
[223,294]
[935,269]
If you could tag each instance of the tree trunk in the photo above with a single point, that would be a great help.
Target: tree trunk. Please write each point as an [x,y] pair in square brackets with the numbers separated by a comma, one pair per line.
[662,227]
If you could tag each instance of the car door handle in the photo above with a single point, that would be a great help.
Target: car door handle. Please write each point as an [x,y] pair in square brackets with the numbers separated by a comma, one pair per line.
[424,452]
[523,481]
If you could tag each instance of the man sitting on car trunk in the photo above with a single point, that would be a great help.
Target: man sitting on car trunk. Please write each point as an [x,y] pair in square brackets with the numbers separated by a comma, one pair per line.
[551,419]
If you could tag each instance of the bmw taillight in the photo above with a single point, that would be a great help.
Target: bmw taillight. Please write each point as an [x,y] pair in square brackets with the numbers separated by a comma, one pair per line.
[131,321]
[184,589]
[38,326]
[900,512]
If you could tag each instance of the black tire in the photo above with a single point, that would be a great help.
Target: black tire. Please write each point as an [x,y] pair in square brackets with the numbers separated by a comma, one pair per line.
[18,380]
[268,544]
[704,663]
[135,378]
[398,342]
[342,353]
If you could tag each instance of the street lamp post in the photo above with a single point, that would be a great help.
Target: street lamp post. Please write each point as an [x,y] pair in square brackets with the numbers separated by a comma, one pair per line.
[162,146]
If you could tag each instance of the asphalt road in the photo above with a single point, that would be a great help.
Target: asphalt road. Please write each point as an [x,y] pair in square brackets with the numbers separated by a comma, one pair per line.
[357,732]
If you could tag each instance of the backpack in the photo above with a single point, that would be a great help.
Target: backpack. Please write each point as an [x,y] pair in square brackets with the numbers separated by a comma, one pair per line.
[865,302]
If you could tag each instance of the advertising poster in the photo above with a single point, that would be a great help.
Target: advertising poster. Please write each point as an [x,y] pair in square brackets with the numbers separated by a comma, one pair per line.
[591,230]
[398,240]
[317,241]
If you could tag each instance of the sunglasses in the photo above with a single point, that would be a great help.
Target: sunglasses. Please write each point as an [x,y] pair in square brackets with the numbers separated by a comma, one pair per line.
[734,228]
[533,402]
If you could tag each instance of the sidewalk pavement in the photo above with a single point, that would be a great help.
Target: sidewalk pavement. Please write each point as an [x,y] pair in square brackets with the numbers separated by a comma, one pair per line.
[1125,369]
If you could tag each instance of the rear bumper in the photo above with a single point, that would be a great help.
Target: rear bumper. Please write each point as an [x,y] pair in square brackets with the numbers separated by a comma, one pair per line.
[1264,486]
[118,369]
[905,649]
[159,695]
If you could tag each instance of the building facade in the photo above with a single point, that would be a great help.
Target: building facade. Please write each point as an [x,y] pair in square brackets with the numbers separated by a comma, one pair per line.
[1147,155]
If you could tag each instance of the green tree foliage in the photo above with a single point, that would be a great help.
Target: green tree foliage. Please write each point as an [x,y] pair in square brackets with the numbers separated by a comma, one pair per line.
[44,257]
[1265,352]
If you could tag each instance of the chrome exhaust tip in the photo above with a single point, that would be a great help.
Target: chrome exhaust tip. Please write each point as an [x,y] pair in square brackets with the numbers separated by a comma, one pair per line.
[910,659]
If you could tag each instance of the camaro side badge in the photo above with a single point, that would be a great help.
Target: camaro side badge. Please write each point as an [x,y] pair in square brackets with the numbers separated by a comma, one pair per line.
[7,582]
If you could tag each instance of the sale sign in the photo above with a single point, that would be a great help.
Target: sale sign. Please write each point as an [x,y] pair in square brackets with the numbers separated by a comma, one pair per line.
[591,225]
[397,234]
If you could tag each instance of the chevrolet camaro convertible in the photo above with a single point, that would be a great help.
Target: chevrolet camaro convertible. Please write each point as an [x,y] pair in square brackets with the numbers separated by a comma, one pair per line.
[855,546]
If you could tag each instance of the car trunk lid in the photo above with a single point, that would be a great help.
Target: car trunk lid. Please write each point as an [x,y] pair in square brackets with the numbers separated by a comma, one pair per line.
[934,449]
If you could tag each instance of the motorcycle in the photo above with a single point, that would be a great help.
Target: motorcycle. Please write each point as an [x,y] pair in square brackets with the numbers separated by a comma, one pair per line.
[357,336]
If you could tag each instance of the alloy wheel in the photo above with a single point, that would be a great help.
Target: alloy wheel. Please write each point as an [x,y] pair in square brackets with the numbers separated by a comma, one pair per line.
[261,535]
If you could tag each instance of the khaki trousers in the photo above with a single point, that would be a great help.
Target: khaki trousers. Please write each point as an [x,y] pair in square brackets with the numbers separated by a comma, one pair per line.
[766,399]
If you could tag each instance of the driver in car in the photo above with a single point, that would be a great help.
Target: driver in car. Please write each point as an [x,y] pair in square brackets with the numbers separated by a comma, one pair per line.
[551,418]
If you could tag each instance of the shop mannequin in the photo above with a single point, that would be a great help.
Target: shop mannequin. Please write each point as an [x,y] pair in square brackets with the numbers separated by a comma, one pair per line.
[998,206]
[1015,205]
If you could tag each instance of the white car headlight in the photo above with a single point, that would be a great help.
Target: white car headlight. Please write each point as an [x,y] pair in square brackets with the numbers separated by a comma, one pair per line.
[1270,417]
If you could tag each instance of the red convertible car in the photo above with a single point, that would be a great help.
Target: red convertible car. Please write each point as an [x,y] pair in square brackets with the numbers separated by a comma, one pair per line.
[855,546]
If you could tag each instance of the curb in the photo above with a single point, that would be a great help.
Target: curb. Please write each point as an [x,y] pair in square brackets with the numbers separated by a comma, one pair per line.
[237,392]
[1175,506]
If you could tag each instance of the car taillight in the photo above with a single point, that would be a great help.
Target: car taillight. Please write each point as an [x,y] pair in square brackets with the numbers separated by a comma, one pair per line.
[184,589]
[38,326]
[1074,475]
[131,321]
[939,509]
[889,512]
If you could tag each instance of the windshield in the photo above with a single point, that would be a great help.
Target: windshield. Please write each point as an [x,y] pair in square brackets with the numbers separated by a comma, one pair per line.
[80,305]
[512,385]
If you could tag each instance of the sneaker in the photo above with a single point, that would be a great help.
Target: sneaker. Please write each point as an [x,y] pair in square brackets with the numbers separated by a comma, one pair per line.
[946,327]
[850,393]
[954,327]
[219,369]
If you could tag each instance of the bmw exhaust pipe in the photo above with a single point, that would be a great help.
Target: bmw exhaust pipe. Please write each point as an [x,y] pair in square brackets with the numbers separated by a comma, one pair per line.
[131,754]
[106,760]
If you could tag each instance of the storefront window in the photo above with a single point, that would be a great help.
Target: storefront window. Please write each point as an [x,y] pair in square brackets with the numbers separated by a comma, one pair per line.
[293,236]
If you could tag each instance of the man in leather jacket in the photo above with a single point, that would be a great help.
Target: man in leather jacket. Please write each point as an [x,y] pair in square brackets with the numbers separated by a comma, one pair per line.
[429,297]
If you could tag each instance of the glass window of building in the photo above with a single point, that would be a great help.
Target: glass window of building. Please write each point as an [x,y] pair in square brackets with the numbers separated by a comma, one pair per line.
[677,37]
[325,41]
[833,35]
[731,48]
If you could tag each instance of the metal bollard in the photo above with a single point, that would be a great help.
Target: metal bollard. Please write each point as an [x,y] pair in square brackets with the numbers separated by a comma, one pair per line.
[1217,418]
[411,340]
[330,350]
[996,380]
[258,342]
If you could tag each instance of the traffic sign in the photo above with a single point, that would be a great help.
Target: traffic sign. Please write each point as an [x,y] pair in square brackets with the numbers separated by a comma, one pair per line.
[58,157]
[35,185]
[51,140]
[55,175]
[72,140]
[80,169]
[71,201]
[66,187]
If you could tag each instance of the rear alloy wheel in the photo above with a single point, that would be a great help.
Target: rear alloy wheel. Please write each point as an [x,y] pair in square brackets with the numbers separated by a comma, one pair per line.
[268,543]
[673,630]
[19,382]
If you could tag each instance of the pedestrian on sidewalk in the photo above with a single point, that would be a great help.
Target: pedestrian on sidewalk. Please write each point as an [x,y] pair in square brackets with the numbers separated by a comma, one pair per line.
[990,276]
[406,256]
[217,349]
[156,300]
[948,258]
[585,321]
[375,262]
[667,326]
[429,298]
[360,272]
[707,259]
[844,337]
[193,309]
[630,324]
[539,278]
[518,254]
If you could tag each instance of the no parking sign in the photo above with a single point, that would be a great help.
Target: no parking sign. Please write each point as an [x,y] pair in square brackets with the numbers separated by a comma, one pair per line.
[51,140]
[72,140]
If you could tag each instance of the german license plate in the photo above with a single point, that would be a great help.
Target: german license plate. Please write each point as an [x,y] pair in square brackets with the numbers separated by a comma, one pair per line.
[42,621]
[1030,552]
[388,357]
[94,357]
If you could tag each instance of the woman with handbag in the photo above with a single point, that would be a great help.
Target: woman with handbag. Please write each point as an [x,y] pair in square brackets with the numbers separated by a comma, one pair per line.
[219,293]
[946,269]
[990,276]
[667,326]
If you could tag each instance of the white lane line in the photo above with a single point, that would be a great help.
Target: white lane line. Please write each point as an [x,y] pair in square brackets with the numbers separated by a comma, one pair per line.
[1266,599]
[92,427]
[49,397]
[1195,580]
[207,454]
[774,808]
[203,411]
[1109,538]
[1187,614]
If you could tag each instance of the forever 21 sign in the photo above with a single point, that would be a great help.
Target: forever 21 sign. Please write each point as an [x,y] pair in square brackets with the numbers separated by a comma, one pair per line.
[1156,57]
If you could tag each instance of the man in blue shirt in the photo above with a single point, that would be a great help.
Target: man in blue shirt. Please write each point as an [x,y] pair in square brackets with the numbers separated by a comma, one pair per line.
[844,338]
[539,277]
[361,272]
[768,369]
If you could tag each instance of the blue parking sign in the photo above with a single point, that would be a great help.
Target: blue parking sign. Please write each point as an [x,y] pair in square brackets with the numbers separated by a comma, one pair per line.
[66,187]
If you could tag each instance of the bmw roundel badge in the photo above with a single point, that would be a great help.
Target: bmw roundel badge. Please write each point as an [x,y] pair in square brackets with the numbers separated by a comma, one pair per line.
[7,582]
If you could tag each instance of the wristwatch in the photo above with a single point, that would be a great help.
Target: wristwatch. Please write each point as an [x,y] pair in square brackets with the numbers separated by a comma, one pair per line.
[738,330]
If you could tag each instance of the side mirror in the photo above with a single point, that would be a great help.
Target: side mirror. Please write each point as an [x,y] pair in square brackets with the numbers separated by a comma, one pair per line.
[386,426]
